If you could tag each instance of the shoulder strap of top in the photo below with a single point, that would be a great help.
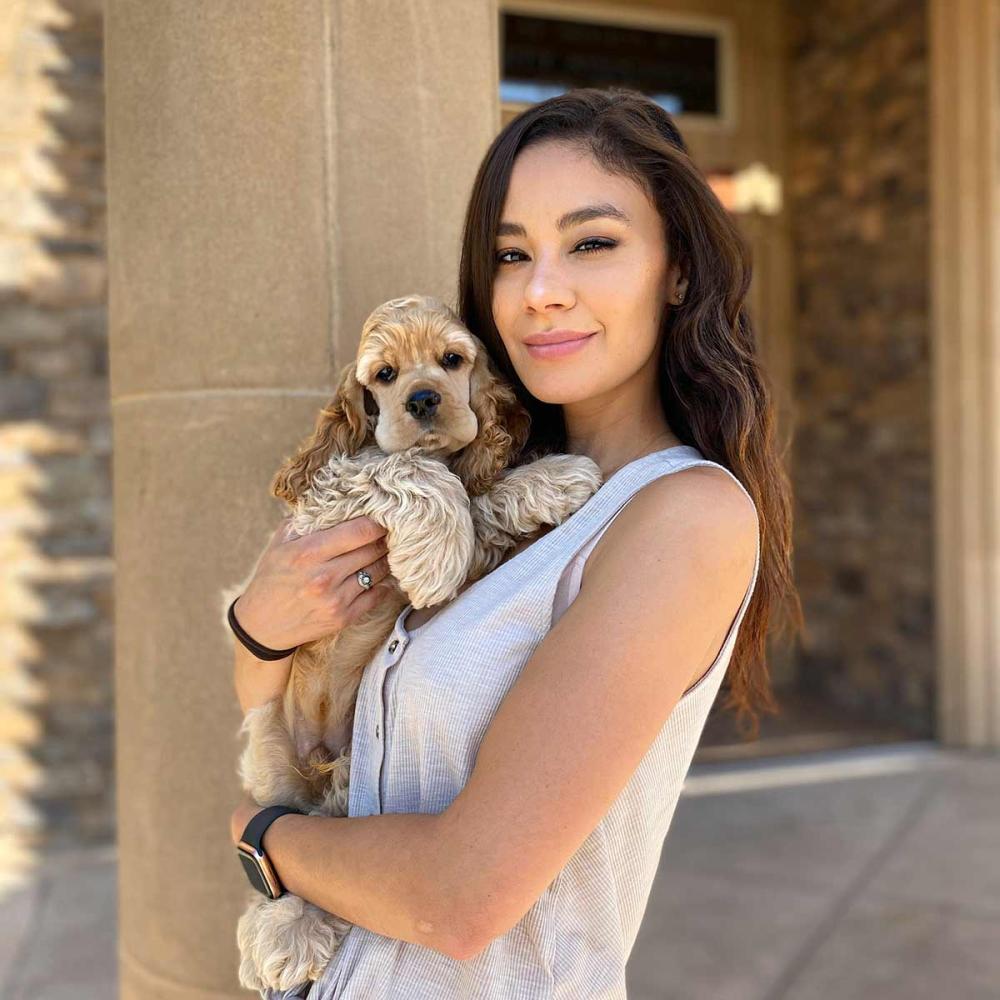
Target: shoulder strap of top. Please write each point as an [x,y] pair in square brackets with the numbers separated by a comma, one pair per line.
[645,471]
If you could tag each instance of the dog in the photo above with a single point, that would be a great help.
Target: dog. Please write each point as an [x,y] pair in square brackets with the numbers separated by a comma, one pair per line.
[421,436]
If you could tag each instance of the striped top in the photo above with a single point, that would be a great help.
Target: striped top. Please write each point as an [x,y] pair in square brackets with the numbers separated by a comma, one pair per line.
[424,703]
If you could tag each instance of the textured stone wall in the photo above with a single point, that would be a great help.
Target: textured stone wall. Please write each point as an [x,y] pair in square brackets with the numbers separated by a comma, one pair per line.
[858,198]
[56,649]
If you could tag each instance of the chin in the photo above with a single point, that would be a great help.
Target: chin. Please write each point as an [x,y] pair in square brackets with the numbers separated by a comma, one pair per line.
[441,444]
[561,391]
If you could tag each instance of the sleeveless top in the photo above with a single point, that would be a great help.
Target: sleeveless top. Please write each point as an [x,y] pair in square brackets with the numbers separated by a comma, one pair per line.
[424,703]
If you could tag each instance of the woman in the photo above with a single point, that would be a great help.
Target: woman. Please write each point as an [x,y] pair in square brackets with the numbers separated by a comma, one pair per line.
[517,760]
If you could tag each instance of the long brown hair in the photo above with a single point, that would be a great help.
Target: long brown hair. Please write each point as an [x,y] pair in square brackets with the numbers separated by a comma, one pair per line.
[712,385]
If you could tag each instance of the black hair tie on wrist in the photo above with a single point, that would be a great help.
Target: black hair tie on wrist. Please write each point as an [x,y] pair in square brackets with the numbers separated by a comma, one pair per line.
[260,651]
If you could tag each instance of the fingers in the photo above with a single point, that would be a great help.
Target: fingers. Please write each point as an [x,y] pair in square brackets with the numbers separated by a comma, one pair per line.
[346,537]
[364,600]
[373,559]
[376,565]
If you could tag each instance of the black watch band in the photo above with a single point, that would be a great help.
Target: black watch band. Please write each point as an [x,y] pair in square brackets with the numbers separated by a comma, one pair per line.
[250,849]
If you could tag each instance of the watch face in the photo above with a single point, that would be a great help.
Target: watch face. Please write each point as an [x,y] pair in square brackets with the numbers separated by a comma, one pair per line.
[258,874]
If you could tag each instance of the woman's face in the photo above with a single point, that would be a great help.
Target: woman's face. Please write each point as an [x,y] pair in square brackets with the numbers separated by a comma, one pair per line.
[606,276]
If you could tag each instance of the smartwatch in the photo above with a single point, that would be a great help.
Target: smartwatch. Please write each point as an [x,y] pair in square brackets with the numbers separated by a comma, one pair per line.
[250,850]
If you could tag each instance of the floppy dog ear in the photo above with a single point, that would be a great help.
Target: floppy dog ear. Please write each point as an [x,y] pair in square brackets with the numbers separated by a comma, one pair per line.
[343,426]
[503,429]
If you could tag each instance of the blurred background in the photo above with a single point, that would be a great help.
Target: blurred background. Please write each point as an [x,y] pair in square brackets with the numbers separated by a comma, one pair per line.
[200,203]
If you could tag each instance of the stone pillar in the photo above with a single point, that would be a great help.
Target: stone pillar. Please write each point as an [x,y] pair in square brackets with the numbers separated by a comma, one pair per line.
[965,250]
[275,170]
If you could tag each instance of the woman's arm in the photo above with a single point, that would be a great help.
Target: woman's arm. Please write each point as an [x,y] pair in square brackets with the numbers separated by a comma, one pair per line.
[659,595]
[389,873]
[257,681]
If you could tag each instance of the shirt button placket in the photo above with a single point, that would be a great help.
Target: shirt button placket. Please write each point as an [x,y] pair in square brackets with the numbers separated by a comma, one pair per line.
[392,647]
[380,723]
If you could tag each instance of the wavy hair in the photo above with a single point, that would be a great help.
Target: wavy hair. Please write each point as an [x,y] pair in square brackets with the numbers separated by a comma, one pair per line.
[712,384]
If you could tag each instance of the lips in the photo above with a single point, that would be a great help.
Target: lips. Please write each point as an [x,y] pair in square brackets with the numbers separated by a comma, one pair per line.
[557,336]
[557,348]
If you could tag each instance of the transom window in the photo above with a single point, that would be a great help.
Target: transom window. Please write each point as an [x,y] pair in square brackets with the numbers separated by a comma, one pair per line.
[546,54]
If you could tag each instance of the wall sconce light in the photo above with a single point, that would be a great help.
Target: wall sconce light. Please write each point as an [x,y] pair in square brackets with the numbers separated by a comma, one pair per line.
[754,188]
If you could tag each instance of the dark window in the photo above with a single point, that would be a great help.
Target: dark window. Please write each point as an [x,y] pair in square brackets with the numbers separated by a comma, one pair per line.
[546,56]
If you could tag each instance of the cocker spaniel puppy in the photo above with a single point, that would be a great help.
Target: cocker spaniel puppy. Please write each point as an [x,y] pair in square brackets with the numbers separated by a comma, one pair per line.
[421,436]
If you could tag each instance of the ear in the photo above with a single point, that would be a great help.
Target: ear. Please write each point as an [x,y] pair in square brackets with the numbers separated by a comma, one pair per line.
[344,426]
[503,428]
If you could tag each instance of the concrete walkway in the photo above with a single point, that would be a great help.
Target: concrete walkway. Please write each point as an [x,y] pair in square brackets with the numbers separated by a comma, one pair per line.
[862,874]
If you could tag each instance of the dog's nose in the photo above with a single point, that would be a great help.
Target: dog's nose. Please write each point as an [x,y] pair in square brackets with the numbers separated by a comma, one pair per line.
[423,403]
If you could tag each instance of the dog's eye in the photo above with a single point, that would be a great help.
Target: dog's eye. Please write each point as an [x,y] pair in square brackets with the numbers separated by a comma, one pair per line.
[382,376]
[452,360]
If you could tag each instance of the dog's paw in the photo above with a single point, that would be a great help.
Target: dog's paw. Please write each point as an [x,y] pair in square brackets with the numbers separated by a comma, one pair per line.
[285,942]
[571,480]
[583,479]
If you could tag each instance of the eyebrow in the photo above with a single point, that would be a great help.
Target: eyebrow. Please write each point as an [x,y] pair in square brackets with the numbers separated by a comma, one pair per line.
[574,218]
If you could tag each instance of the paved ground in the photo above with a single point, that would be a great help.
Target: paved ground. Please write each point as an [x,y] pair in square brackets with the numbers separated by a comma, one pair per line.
[869,874]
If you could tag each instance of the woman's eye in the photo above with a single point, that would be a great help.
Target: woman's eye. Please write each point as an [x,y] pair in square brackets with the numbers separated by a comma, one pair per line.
[596,245]
[587,246]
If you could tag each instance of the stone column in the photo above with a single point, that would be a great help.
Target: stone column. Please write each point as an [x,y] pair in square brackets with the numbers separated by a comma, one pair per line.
[965,251]
[275,170]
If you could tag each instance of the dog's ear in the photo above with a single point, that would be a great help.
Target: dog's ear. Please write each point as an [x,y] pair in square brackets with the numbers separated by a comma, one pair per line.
[503,428]
[343,426]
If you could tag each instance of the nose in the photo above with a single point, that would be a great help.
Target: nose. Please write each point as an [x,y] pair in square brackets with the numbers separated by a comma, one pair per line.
[546,288]
[423,403]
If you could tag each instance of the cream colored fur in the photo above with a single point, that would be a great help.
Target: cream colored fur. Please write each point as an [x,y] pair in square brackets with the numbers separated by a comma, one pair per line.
[442,485]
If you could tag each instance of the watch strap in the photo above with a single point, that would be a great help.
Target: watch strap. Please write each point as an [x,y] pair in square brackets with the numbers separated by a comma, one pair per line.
[255,829]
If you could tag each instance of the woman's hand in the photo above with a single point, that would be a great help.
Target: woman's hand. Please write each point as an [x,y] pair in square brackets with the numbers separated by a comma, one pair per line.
[305,588]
